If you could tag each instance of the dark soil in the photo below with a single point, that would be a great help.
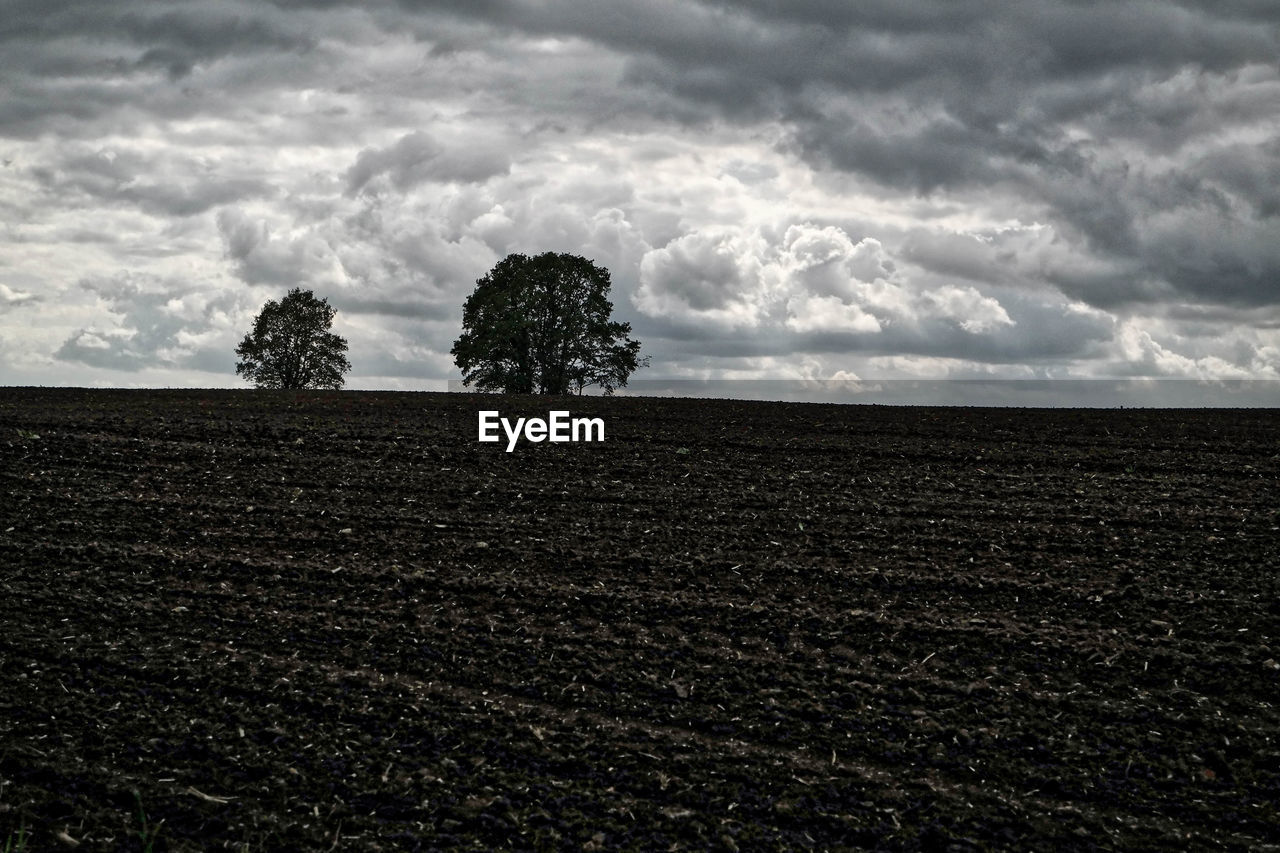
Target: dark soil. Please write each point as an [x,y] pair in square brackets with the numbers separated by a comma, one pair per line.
[296,621]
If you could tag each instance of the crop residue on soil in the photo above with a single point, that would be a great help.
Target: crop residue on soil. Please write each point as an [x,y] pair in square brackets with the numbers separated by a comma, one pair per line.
[303,621]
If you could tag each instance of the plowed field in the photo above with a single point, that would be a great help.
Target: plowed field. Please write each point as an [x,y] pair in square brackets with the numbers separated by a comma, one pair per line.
[283,621]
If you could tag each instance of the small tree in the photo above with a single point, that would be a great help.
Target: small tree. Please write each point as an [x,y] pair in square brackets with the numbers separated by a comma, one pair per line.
[541,325]
[291,345]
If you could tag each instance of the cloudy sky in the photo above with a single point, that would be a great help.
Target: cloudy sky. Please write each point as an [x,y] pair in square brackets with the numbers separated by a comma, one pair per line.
[780,188]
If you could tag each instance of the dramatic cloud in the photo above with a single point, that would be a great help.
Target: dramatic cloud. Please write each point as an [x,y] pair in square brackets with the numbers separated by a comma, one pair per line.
[152,323]
[10,298]
[417,157]
[804,188]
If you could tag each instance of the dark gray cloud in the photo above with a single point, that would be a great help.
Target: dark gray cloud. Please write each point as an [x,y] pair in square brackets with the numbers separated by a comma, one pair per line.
[419,157]
[169,36]
[1085,110]
[128,178]
[775,181]
[1247,173]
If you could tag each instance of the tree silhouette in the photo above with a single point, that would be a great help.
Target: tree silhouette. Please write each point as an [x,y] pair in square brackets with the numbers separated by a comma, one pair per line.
[291,345]
[541,325]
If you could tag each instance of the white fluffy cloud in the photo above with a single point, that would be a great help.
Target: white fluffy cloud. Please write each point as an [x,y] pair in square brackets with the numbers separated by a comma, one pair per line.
[967,308]
[150,322]
[807,313]
[812,280]
[706,278]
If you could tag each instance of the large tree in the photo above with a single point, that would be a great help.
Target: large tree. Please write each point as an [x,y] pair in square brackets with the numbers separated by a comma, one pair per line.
[291,345]
[540,325]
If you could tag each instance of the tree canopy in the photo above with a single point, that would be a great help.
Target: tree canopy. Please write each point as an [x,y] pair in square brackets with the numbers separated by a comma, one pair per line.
[541,325]
[291,345]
